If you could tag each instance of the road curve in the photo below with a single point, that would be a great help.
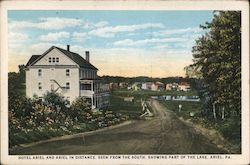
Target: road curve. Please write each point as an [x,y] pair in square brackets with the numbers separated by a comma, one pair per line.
[163,134]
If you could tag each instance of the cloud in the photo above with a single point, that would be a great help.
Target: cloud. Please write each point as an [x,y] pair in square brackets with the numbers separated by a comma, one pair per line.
[110,31]
[130,42]
[54,36]
[14,37]
[178,31]
[47,23]
[101,24]
[79,36]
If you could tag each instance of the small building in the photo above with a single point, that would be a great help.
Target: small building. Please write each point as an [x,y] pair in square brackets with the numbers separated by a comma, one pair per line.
[113,85]
[160,86]
[168,87]
[154,87]
[146,86]
[174,86]
[184,86]
[136,86]
[123,85]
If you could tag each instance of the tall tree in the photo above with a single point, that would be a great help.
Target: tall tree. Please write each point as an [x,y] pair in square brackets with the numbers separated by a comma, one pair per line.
[217,56]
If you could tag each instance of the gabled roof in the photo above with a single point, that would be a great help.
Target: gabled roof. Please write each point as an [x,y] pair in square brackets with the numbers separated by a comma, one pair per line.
[78,59]
[32,59]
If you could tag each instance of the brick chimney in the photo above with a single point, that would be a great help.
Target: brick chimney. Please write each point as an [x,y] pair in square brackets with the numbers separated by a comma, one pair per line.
[87,56]
[68,47]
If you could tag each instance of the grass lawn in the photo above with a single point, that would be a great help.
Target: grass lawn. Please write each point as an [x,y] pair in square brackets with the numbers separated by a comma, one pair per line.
[131,109]
[187,107]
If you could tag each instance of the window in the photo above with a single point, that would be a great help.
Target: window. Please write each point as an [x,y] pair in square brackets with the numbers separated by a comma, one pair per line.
[67,72]
[54,59]
[50,59]
[39,72]
[57,59]
[85,86]
[67,85]
[40,86]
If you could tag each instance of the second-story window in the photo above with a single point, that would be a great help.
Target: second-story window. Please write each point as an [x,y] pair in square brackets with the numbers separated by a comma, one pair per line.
[54,59]
[40,86]
[39,72]
[67,85]
[57,59]
[67,72]
[49,59]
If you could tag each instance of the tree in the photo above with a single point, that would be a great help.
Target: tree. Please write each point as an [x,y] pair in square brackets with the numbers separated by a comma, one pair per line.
[217,56]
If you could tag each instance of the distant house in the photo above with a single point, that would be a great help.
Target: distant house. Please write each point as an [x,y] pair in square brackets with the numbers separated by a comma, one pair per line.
[113,85]
[157,86]
[172,86]
[67,73]
[168,87]
[123,85]
[184,86]
[136,86]
[146,86]
[154,87]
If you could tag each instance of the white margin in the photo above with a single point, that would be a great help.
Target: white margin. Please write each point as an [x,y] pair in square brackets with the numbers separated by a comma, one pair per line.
[126,5]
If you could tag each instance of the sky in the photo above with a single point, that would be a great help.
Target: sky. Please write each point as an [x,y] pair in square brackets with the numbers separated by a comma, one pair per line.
[121,43]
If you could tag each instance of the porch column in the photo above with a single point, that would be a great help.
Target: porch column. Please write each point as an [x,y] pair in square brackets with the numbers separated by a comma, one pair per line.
[92,86]
[97,101]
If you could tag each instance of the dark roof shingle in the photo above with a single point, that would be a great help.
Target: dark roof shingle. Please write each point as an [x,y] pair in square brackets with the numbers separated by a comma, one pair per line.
[77,59]
[32,59]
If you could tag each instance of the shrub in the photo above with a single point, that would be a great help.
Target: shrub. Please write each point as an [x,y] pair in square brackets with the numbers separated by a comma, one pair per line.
[81,109]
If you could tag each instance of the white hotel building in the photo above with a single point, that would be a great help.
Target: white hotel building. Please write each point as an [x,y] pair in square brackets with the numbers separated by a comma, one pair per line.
[67,73]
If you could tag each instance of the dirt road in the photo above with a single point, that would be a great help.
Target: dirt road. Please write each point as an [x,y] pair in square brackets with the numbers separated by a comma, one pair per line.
[163,134]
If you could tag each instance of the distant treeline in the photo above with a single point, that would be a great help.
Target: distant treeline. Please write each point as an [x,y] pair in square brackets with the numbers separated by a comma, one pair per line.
[118,79]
